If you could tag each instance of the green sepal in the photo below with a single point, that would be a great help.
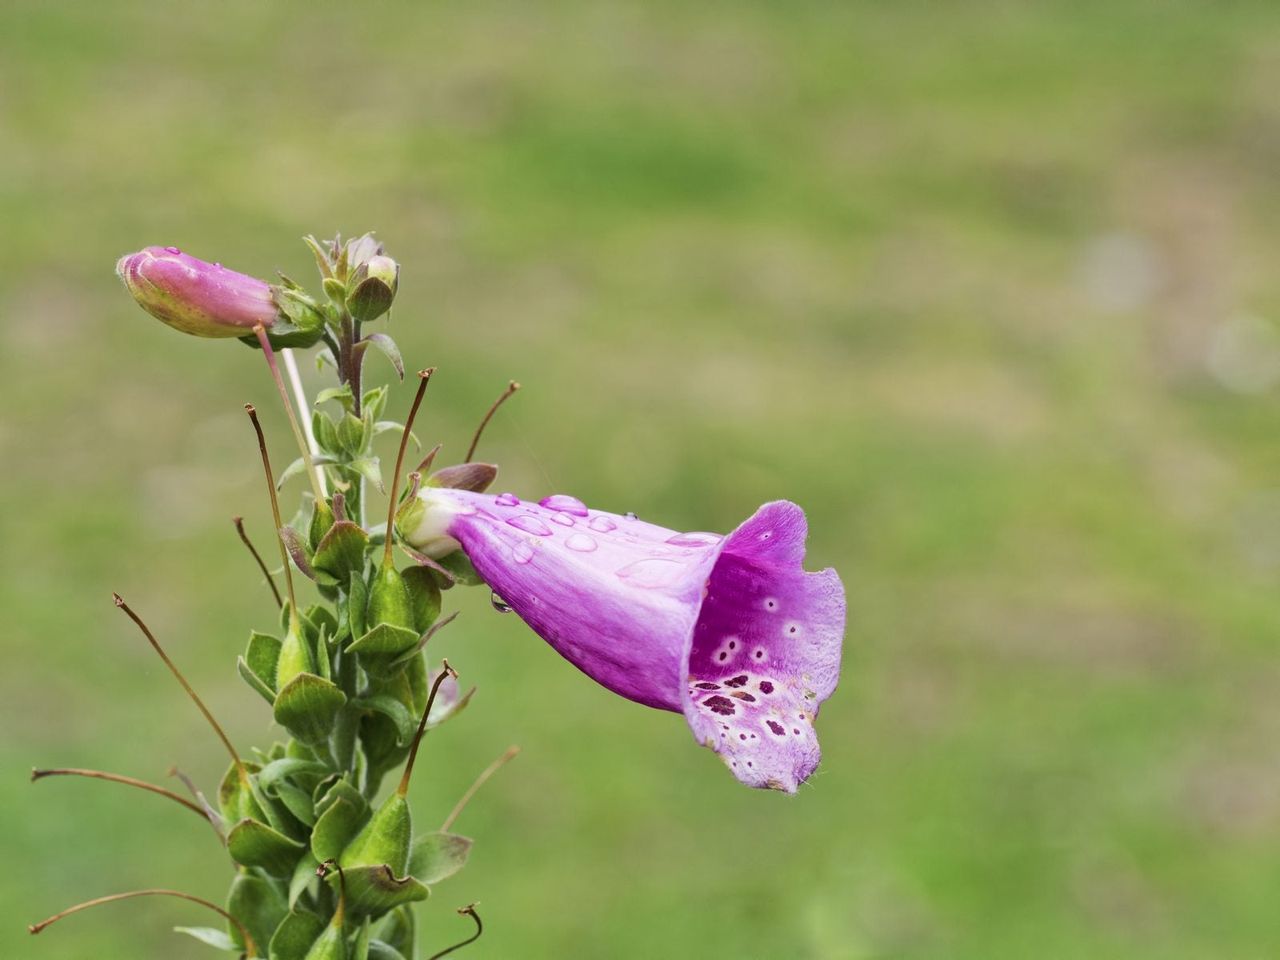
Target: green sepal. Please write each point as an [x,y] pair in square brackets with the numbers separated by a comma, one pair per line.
[285,335]
[340,393]
[340,552]
[352,437]
[321,521]
[371,469]
[340,788]
[385,839]
[381,950]
[252,843]
[218,939]
[395,711]
[374,401]
[458,565]
[424,597]
[374,889]
[335,830]
[370,299]
[357,604]
[296,657]
[437,856]
[307,706]
[258,904]
[296,546]
[325,431]
[237,801]
[400,931]
[388,348]
[334,288]
[295,935]
[253,680]
[385,640]
[297,801]
[304,875]
[389,599]
[330,945]
[258,665]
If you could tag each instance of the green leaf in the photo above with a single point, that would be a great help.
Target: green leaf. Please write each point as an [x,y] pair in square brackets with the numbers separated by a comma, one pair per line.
[340,789]
[371,469]
[256,903]
[375,401]
[288,767]
[458,565]
[388,348]
[374,890]
[340,823]
[304,875]
[395,711]
[400,931]
[342,394]
[254,844]
[381,950]
[385,640]
[298,552]
[254,680]
[436,856]
[261,656]
[298,466]
[298,802]
[351,435]
[295,935]
[340,552]
[325,431]
[214,938]
[360,950]
[424,597]
[307,706]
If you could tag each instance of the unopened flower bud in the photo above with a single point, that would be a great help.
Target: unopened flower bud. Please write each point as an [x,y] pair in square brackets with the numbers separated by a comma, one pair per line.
[196,297]
[373,288]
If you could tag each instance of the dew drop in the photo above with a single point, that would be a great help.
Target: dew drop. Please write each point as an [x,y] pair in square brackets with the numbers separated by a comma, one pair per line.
[630,516]
[581,542]
[507,500]
[530,525]
[602,524]
[563,519]
[562,501]
[499,604]
[652,573]
[522,552]
[217,264]
[696,539]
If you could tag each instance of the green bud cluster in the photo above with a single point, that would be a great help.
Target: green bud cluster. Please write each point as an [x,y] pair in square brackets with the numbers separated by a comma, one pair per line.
[323,867]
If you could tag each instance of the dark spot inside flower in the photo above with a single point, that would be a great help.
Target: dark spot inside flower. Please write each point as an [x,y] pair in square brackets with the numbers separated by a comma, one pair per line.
[722,656]
[800,715]
[737,681]
[766,686]
[792,630]
[796,731]
[743,696]
[750,764]
[707,685]
[759,654]
[776,727]
[720,705]
[742,736]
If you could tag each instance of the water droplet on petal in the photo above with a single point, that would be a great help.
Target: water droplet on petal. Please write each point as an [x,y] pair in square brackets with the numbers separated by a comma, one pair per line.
[652,573]
[630,516]
[499,604]
[696,539]
[530,525]
[581,542]
[507,500]
[602,524]
[174,250]
[217,264]
[522,552]
[563,519]
[562,501]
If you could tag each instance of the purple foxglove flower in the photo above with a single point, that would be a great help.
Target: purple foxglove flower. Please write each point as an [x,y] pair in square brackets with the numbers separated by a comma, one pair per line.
[730,631]
[197,297]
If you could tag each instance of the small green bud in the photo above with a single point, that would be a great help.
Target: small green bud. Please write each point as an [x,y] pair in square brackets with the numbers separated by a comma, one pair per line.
[385,839]
[389,600]
[373,288]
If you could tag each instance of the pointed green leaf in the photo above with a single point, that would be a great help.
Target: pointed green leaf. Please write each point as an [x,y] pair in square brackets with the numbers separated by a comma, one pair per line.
[388,348]
[395,711]
[381,950]
[340,552]
[295,935]
[298,551]
[374,890]
[338,826]
[424,597]
[214,938]
[254,680]
[385,640]
[370,469]
[257,904]
[436,856]
[307,706]
[325,431]
[254,844]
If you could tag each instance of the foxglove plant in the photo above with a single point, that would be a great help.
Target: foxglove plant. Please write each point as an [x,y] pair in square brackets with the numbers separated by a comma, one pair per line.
[730,631]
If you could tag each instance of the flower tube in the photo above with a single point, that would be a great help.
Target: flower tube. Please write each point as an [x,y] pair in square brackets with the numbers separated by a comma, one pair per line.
[730,631]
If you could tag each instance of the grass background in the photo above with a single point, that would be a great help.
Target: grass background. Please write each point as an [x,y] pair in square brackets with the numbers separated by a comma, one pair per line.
[988,288]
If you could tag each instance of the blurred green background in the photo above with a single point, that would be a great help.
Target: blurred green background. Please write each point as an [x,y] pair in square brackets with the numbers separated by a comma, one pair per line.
[988,288]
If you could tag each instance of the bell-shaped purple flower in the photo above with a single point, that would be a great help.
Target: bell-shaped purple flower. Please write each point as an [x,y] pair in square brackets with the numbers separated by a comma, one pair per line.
[730,631]
[205,299]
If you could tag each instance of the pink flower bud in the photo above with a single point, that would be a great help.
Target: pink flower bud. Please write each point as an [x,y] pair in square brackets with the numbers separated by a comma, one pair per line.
[204,299]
